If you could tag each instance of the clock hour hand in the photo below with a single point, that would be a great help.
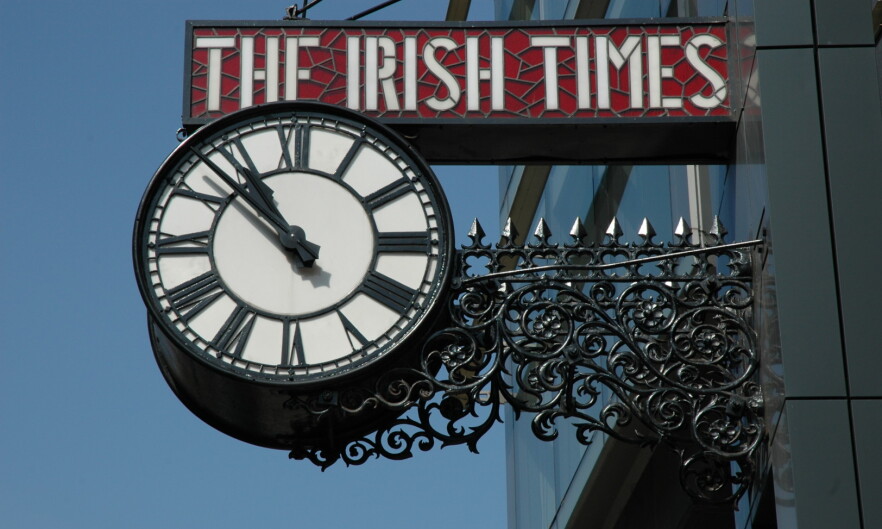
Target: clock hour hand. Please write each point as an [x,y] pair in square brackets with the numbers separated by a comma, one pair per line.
[295,240]
[292,237]
[260,196]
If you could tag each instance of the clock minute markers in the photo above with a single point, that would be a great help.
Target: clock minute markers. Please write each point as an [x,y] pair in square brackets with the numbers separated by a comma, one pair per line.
[260,197]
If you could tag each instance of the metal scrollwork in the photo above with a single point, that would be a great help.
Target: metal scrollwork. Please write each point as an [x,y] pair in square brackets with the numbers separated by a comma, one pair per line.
[645,342]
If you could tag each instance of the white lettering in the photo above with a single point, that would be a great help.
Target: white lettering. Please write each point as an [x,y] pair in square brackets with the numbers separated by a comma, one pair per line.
[550,45]
[582,83]
[475,74]
[246,79]
[214,46]
[436,76]
[272,69]
[607,52]
[716,80]
[442,73]
[293,72]
[410,73]
[657,73]
[353,49]
[497,73]
[376,72]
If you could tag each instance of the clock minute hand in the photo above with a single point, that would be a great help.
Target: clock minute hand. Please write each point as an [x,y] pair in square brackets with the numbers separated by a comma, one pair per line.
[264,195]
[255,200]
[293,237]
[259,196]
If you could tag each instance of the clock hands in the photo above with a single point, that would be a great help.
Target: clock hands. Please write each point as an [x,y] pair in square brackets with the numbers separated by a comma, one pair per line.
[295,239]
[260,197]
[292,237]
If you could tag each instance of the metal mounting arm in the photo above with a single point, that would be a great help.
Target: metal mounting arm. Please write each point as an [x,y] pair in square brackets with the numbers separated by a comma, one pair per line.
[645,342]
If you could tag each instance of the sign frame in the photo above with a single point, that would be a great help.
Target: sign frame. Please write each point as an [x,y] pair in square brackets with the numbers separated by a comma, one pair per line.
[510,140]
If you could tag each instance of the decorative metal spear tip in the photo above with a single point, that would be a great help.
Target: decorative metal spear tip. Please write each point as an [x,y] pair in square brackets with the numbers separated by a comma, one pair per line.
[614,230]
[578,231]
[718,230]
[683,229]
[476,232]
[543,232]
[646,230]
[509,234]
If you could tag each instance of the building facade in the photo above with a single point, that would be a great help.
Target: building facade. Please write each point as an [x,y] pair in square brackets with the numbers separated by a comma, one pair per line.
[804,80]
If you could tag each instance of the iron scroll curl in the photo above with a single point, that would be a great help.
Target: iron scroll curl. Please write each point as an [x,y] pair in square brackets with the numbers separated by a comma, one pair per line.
[644,342]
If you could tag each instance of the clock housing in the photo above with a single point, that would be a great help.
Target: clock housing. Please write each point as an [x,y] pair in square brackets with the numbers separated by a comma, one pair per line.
[288,249]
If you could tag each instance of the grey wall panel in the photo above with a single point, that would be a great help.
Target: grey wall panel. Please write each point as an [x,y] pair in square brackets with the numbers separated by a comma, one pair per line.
[822,465]
[844,22]
[867,433]
[742,58]
[806,290]
[783,23]
[853,131]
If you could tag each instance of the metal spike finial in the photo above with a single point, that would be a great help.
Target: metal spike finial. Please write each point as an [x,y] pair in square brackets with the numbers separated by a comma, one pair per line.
[509,231]
[509,234]
[543,232]
[646,230]
[683,229]
[717,229]
[476,232]
[578,231]
[614,230]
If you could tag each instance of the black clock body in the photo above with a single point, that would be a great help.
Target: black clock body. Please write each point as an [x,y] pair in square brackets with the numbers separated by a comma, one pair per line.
[292,257]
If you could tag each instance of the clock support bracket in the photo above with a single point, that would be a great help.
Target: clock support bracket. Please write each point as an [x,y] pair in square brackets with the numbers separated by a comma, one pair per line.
[641,342]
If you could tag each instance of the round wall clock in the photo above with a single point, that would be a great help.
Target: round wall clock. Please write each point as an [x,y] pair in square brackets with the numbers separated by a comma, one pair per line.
[287,247]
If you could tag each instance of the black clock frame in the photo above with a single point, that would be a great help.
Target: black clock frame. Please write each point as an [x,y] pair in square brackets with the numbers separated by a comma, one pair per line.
[243,402]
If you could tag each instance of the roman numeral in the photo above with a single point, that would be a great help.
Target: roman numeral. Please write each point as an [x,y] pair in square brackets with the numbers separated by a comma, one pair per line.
[229,180]
[301,151]
[235,330]
[403,241]
[243,153]
[284,140]
[292,353]
[387,193]
[387,291]
[347,160]
[191,243]
[212,202]
[194,296]
[352,332]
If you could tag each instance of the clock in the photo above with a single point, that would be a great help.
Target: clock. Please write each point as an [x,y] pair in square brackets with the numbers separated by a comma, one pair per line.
[290,245]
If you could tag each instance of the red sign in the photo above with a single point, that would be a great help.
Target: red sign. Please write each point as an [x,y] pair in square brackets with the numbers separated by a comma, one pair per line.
[454,72]
[427,76]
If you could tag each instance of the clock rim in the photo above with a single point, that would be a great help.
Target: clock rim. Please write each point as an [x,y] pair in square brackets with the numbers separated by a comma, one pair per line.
[421,324]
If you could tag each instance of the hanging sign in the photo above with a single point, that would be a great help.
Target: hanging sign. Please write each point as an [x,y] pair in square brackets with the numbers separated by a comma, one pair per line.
[439,82]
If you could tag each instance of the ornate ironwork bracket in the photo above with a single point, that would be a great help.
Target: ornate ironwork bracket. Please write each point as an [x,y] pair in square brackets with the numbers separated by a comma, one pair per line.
[644,342]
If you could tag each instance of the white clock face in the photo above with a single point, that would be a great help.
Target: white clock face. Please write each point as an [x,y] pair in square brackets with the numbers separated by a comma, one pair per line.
[292,245]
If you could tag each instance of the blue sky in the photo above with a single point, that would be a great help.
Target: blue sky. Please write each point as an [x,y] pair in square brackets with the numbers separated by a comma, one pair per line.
[90,435]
